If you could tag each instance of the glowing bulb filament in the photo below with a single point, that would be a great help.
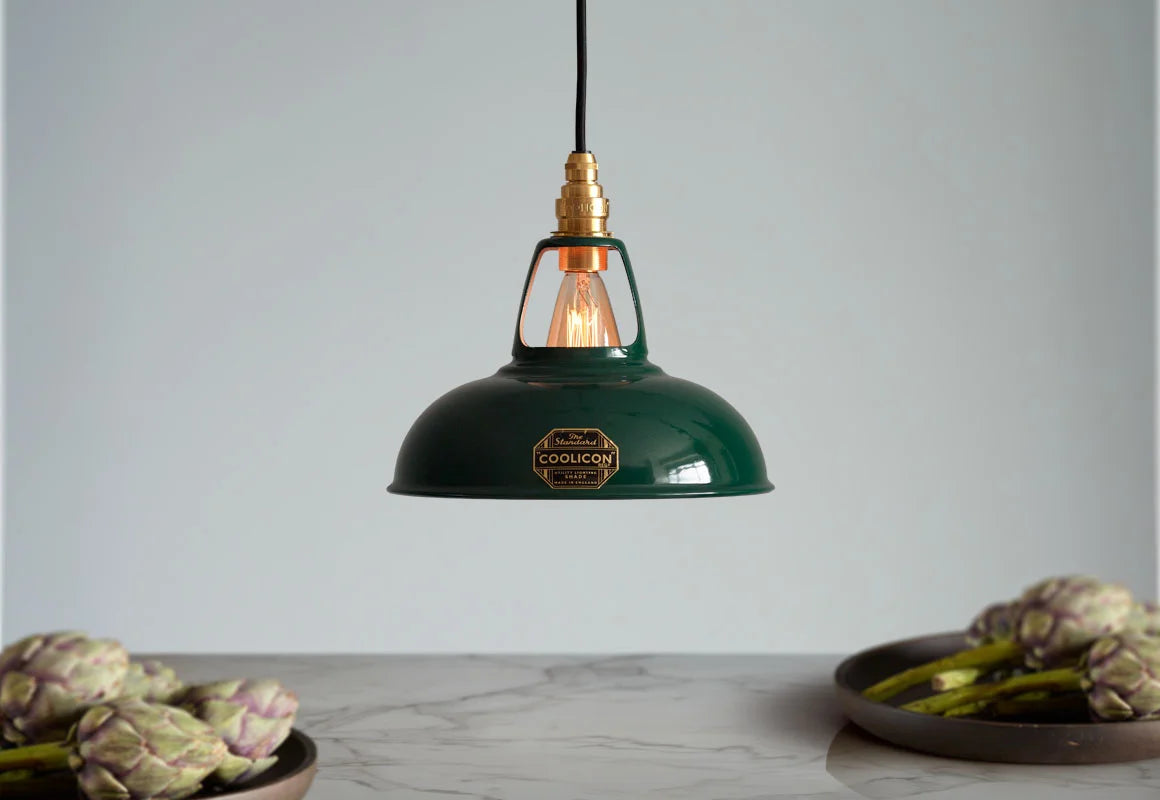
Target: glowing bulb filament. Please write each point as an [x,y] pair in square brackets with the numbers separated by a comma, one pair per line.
[583,317]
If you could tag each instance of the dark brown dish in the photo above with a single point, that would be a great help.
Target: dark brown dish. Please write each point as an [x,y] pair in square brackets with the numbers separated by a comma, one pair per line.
[289,779]
[1047,739]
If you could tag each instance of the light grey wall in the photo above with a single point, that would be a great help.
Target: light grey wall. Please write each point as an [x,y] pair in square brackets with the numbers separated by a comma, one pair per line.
[3,349]
[250,241]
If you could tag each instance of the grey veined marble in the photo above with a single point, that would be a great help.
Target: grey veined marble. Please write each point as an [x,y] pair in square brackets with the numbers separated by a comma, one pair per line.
[603,728]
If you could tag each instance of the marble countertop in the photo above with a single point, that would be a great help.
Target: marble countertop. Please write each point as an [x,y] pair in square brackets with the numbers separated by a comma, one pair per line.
[603,728]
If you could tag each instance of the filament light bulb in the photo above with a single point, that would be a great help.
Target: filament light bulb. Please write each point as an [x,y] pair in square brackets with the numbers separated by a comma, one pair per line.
[583,314]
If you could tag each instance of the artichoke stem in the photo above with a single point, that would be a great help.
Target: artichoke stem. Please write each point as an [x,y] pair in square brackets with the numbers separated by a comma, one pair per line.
[987,655]
[16,776]
[36,757]
[966,710]
[1061,702]
[1028,702]
[954,678]
[1055,680]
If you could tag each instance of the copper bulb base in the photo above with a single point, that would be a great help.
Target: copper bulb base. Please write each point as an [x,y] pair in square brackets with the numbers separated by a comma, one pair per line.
[583,259]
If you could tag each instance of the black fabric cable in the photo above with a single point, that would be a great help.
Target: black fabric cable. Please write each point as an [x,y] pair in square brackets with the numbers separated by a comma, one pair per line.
[581,73]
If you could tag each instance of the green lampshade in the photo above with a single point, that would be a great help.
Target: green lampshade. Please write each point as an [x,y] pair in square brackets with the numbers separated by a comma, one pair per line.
[580,423]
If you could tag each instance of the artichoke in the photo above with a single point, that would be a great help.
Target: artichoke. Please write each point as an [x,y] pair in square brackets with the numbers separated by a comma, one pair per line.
[1144,619]
[134,750]
[152,681]
[1053,620]
[253,717]
[48,680]
[995,623]
[1118,673]
[129,749]
[1122,677]
[1060,616]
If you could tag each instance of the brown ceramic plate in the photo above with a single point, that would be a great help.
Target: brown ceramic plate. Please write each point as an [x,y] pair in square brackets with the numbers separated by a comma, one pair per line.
[289,779]
[1050,739]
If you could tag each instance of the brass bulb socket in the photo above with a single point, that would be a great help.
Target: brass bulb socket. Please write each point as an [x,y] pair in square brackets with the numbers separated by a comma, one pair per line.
[582,209]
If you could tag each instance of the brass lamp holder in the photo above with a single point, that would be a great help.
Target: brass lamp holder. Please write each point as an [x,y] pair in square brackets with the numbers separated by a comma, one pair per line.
[582,211]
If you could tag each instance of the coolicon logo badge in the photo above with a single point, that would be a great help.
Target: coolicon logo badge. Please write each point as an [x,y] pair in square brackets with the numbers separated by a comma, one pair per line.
[575,458]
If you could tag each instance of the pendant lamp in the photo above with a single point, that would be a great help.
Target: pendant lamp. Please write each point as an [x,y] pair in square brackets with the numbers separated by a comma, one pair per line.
[586,416]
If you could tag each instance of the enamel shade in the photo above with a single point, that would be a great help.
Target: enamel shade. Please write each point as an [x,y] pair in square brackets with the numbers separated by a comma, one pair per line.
[580,423]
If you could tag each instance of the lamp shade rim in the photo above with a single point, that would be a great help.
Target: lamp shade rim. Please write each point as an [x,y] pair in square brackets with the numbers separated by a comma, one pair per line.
[633,493]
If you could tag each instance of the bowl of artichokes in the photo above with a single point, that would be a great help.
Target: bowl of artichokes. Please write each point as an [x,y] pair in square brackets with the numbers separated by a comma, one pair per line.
[1068,672]
[78,715]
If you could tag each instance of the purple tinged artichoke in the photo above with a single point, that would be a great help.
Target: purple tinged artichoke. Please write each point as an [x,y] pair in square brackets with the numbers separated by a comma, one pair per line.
[1144,619]
[1122,677]
[152,681]
[1060,617]
[995,623]
[253,718]
[133,750]
[48,680]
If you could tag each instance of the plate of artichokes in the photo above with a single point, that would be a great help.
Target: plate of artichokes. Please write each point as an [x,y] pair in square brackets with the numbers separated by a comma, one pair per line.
[1066,673]
[79,718]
